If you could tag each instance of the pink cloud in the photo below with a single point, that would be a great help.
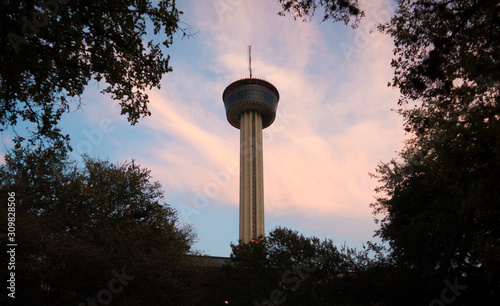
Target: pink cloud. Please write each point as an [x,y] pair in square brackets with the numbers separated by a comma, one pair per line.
[334,122]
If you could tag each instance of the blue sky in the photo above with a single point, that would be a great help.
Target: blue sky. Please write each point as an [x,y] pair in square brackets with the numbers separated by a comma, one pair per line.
[334,121]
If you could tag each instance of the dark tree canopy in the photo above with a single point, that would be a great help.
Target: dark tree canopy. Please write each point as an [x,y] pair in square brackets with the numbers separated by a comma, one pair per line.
[441,202]
[446,58]
[76,225]
[446,51]
[50,50]
[336,10]
[287,268]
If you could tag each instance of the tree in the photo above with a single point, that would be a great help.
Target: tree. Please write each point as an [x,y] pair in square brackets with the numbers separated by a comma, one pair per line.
[51,50]
[80,228]
[289,269]
[336,10]
[441,198]
[446,55]
[271,270]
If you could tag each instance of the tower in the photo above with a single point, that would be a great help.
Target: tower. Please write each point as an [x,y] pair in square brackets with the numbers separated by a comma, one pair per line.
[251,105]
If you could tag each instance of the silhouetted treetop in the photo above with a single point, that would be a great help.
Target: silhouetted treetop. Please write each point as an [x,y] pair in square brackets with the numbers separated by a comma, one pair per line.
[336,10]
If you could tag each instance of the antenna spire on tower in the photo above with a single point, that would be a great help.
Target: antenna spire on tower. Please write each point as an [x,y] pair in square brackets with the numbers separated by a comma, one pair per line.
[250,107]
[250,59]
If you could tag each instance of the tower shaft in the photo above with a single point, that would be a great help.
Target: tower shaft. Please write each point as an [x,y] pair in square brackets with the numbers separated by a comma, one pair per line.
[251,105]
[251,176]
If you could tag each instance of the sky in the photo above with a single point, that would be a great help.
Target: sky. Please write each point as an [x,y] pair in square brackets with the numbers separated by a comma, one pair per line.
[334,123]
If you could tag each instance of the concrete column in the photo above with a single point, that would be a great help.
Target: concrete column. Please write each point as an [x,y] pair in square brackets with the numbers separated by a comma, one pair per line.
[245,175]
[251,177]
[259,224]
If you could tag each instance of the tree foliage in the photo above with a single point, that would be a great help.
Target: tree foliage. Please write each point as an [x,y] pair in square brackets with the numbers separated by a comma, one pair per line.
[50,50]
[287,268]
[441,197]
[446,53]
[336,10]
[76,225]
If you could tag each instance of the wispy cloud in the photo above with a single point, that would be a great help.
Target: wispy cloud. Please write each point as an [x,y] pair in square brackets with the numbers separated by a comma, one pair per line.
[333,124]
[334,121]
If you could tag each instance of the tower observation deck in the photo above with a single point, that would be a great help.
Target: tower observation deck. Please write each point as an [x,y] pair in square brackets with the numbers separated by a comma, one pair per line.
[251,105]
